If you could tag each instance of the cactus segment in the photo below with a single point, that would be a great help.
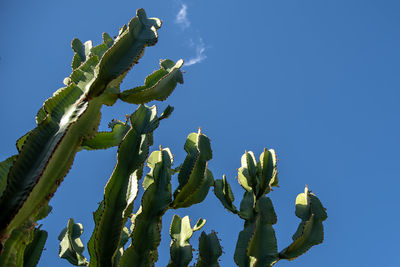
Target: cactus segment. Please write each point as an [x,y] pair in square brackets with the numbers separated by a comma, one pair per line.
[34,250]
[247,173]
[35,166]
[240,257]
[199,224]
[81,52]
[247,204]
[146,234]
[262,247]
[25,244]
[268,170]
[201,193]
[194,177]
[158,85]
[127,49]
[258,177]
[167,112]
[310,231]
[223,192]
[13,252]
[107,39]
[104,140]
[4,169]
[71,247]
[209,250]
[180,232]
[122,187]
[257,245]
[62,122]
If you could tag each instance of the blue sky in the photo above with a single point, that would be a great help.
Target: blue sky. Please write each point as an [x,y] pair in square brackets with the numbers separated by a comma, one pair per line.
[318,81]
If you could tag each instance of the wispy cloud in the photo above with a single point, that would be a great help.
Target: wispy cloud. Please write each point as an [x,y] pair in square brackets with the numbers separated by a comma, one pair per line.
[200,52]
[181,17]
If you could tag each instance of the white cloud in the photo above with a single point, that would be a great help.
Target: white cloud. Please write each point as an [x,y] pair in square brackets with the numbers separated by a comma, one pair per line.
[200,53]
[181,17]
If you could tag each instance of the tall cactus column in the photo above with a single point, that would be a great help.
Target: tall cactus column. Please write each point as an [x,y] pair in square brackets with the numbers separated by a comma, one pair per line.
[257,245]
[68,121]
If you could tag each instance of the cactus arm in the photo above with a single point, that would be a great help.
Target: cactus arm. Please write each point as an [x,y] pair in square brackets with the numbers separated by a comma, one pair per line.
[199,224]
[181,232]
[104,140]
[81,52]
[247,173]
[167,112]
[223,192]
[127,49]
[209,250]
[45,159]
[201,192]
[34,250]
[158,85]
[193,173]
[69,117]
[146,234]
[310,231]
[268,171]
[122,187]
[71,247]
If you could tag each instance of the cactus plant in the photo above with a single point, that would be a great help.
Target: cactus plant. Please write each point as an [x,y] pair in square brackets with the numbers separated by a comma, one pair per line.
[68,122]
[145,232]
[256,244]
[181,232]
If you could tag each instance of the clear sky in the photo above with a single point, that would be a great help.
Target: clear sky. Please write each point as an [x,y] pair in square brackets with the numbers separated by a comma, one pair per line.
[318,81]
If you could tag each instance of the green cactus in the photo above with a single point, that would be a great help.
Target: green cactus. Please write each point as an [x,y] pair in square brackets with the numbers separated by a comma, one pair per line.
[34,250]
[68,121]
[146,234]
[209,250]
[121,189]
[194,177]
[71,246]
[310,231]
[257,245]
[109,236]
[25,245]
[181,251]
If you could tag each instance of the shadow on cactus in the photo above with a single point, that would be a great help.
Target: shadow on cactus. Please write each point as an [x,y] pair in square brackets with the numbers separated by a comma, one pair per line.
[68,122]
